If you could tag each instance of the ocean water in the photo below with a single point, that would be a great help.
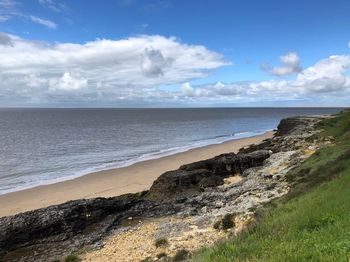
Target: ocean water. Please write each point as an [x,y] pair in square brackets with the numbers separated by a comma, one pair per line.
[42,146]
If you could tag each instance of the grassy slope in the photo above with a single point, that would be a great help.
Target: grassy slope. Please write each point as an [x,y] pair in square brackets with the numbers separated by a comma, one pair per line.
[312,223]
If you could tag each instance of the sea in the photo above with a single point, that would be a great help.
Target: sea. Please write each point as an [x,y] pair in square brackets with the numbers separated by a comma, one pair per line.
[43,146]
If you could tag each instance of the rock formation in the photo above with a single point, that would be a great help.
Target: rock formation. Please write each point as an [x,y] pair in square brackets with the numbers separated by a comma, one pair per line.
[195,177]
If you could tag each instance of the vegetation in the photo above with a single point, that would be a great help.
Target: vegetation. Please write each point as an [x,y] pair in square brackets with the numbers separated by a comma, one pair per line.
[217,225]
[160,255]
[72,258]
[225,223]
[181,255]
[161,242]
[312,223]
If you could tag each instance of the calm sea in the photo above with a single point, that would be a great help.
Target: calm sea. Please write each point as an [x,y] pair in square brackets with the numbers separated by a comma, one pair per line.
[41,146]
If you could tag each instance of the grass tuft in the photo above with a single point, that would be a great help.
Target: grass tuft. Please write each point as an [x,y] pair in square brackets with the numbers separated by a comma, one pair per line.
[161,242]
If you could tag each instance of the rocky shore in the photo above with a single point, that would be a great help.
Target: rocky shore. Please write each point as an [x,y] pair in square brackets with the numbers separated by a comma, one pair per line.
[186,208]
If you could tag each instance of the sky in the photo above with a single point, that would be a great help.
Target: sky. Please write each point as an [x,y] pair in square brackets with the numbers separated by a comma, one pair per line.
[174,53]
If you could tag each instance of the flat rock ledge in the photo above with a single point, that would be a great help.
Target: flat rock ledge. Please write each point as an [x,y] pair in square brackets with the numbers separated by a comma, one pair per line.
[181,206]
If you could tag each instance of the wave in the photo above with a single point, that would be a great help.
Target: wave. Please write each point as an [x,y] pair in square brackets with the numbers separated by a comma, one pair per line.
[133,160]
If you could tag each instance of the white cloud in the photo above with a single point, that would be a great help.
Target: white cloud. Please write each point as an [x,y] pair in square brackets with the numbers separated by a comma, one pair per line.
[327,78]
[290,65]
[8,4]
[327,75]
[4,18]
[10,9]
[137,70]
[45,22]
[290,58]
[131,68]
[55,6]
[68,82]
[187,89]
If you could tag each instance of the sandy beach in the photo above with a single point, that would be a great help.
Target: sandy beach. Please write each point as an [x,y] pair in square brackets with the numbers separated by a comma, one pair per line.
[113,182]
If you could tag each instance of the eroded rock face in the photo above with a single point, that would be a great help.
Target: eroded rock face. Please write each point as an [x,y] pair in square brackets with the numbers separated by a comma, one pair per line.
[292,125]
[291,134]
[195,177]
[59,223]
[226,164]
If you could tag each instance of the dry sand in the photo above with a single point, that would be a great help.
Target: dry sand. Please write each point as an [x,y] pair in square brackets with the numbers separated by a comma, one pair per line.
[113,182]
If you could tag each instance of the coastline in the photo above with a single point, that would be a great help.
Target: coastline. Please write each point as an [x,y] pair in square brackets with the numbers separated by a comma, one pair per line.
[131,179]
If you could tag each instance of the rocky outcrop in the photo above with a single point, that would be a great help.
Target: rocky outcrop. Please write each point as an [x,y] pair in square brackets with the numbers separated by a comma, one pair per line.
[290,135]
[195,177]
[88,218]
[294,125]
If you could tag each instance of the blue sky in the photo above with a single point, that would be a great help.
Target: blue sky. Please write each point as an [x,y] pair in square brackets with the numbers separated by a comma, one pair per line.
[187,53]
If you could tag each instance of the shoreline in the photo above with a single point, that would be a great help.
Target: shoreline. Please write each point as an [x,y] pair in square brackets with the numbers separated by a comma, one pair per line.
[141,158]
[117,181]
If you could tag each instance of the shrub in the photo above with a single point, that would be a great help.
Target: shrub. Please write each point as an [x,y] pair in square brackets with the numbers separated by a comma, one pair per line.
[225,223]
[181,255]
[217,225]
[161,242]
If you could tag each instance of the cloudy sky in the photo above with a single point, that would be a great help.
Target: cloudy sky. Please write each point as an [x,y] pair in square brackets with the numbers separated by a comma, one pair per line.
[174,53]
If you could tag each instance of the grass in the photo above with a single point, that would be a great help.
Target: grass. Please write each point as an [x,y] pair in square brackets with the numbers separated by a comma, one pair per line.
[161,242]
[312,223]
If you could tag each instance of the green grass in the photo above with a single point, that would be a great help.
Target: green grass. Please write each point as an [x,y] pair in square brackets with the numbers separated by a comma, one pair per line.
[312,223]
[161,242]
